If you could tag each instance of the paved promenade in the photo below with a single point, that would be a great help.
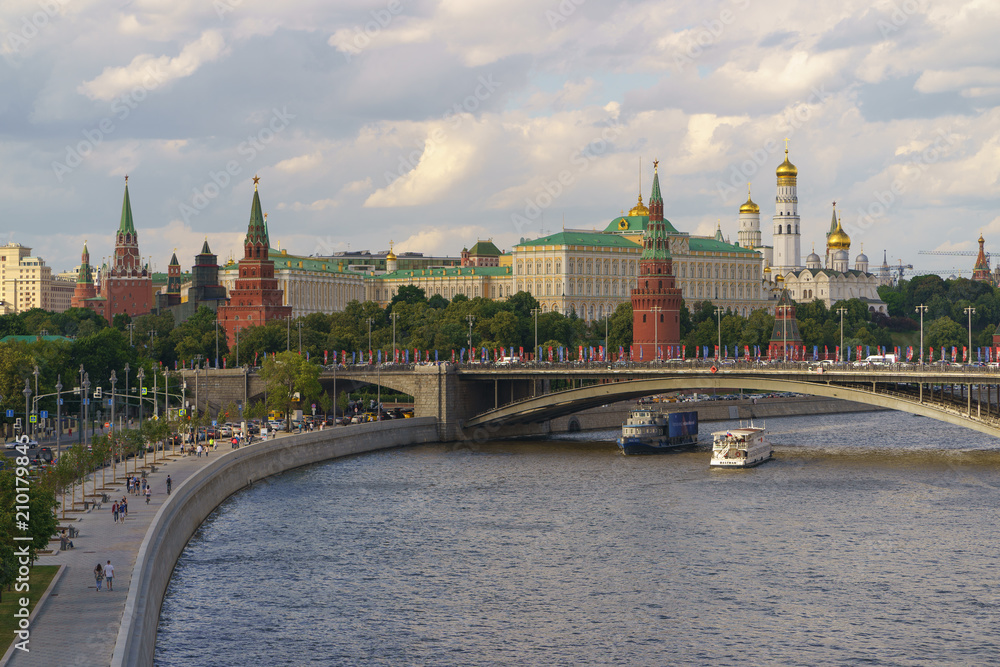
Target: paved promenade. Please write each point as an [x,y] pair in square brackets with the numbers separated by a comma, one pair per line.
[78,625]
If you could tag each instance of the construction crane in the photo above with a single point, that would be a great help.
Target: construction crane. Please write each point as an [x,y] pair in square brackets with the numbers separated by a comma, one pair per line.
[900,268]
[949,272]
[953,253]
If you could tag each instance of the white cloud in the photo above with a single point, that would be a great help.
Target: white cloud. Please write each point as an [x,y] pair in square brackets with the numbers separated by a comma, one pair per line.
[147,72]
[437,241]
[306,162]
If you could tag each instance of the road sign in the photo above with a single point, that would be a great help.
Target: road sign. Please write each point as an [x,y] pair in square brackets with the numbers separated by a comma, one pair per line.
[10,413]
[60,401]
[45,414]
[215,422]
[144,390]
[86,401]
[110,401]
[182,412]
[33,419]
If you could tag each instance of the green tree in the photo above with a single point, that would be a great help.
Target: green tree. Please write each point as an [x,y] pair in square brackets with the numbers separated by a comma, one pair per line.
[286,375]
[944,332]
[325,403]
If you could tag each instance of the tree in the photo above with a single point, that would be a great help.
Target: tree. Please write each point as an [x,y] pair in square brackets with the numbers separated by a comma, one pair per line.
[945,332]
[285,376]
[407,294]
[325,403]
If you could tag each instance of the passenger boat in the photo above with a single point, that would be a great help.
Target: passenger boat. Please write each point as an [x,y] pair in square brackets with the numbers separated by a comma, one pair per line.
[742,447]
[649,431]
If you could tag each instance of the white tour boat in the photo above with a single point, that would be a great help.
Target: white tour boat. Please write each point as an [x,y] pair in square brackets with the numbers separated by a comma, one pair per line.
[742,447]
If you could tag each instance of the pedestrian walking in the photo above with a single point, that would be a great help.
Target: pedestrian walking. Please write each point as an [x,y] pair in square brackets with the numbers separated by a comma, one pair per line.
[114,512]
[235,442]
[169,484]
[99,576]
[199,450]
[109,574]
[149,492]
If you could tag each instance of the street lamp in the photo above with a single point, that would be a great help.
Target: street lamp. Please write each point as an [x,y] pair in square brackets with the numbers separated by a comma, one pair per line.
[369,320]
[114,379]
[535,311]
[471,319]
[131,329]
[606,319]
[126,392]
[970,311]
[298,323]
[921,309]
[841,310]
[394,315]
[718,316]
[217,344]
[237,347]
[656,332]
[85,387]
[27,394]
[59,388]
[140,376]
[35,373]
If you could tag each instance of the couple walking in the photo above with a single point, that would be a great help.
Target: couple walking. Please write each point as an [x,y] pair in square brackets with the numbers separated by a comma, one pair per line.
[104,572]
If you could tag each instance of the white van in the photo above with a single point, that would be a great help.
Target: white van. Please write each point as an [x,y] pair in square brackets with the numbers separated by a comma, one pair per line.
[508,361]
[878,360]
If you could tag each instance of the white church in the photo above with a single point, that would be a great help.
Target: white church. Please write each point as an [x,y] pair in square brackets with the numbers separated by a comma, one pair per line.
[829,278]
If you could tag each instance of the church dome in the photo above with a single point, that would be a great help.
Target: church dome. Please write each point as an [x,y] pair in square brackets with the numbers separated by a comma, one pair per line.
[861,259]
[838,239]
[786,169]
[749,206]
[639,209]
[840,255]
[813,257]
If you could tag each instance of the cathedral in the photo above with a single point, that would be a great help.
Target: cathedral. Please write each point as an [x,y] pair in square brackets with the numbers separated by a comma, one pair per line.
[829,278]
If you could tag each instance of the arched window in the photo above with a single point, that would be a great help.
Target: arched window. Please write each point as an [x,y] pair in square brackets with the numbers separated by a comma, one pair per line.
[789,229]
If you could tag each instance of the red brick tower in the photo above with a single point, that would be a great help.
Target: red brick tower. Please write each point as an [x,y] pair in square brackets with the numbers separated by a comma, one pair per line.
[656,302]
[85,288]
[785,337]
[255,299]
[127,286]
[981,271]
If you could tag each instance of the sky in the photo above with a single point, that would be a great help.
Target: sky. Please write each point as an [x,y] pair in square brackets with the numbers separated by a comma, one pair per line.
[434,123]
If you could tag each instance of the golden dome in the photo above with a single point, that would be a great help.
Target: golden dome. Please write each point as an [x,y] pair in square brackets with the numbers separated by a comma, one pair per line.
[767,269]
[391,255]
[749,206]
[639,209]
[780,278]
[838,239]
[786,169]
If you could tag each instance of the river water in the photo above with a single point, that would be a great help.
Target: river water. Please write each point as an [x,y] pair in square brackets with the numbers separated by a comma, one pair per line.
[871,539]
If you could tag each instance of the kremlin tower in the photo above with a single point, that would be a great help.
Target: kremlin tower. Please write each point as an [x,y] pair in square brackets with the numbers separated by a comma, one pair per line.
[981,271]
[656,302]
[255,299]
[785,337]
[84,282]
[749,234]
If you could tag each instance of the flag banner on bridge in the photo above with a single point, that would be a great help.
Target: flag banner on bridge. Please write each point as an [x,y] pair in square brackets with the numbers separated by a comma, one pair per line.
[380,356]
[520,353]
[815,352]
[640,353]
[965,355]
[954,353]
[988,355]
[716,351]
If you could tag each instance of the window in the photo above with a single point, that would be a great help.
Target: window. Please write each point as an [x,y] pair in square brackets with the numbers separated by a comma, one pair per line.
[643,318]
[548,268]
[570,267]
[699,273]
[558,268]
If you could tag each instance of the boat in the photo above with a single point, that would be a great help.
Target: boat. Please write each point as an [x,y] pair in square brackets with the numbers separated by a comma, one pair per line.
[649,431]
[743,447]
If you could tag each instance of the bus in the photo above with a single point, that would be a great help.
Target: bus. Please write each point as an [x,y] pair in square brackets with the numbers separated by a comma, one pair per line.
[276,416]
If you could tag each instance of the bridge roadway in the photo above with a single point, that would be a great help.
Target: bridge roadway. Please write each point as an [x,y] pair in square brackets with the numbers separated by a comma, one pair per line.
[463,396]
[966,396]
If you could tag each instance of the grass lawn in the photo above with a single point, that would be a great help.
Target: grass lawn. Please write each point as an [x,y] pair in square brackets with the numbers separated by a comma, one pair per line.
[39,579]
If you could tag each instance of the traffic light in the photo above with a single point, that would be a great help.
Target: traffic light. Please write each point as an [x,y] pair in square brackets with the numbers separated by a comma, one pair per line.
[97,392]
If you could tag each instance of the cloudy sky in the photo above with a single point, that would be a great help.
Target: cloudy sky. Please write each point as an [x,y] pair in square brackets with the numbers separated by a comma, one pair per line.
[437,122]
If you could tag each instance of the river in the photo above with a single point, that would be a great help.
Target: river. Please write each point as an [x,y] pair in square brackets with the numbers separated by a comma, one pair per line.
[870,539]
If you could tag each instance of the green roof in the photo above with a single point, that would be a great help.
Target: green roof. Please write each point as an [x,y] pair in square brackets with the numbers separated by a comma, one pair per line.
[696,244]
[655,195]
[285,261]
[162,277]
[635,224]
[485,248]
[597,239]
[455,271]
[126,226]
[85,276]
[31,339]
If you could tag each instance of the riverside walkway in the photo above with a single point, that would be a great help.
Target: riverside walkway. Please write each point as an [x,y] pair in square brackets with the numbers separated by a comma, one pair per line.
[77,625]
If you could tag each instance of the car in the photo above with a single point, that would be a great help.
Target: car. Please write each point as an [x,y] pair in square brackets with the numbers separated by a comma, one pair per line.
[21,441]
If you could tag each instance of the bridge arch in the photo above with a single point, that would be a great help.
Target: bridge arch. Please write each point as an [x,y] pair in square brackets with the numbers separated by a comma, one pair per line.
[558,404]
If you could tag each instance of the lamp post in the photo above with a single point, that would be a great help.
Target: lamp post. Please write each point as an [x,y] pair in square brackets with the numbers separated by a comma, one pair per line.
[921,309]
[369,320]
[298,323]
[718,316]
[86,401]
[471,319]
[656,331]
[27,395]
[197,358]
[237,346]
[127,369]
[35,373]
[535,311]
[288,334]
[970,311]
[606,319]
[59,388]
[140,376]
[841,310]
[114,379]
[217,344]
[394,315]
[131,329]
[79,430]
